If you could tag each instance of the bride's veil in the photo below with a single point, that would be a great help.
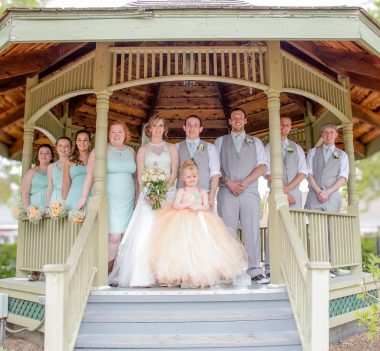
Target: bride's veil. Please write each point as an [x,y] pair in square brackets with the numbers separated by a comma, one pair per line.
[144,138]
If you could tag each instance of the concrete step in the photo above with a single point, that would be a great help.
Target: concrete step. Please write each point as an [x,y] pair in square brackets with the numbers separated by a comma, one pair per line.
[244,341]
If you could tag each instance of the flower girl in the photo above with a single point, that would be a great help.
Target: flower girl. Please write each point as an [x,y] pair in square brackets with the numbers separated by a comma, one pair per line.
[191,246]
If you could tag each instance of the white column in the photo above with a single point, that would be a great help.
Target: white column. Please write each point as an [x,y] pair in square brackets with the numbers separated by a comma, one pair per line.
[27,148]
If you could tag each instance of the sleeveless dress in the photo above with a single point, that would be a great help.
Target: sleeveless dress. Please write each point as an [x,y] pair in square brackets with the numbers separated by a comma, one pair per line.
[57,175]
[120,188]
[131,266]
[78,175]
[195,249]
[38,190]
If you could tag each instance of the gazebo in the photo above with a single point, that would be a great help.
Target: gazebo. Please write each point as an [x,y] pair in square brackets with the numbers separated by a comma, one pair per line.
[66,69]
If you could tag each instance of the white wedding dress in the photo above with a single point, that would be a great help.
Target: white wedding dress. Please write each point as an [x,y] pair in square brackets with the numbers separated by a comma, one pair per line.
[131,267]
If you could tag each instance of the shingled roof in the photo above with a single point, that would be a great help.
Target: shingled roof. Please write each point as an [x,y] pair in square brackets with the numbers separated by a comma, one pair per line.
[165,4]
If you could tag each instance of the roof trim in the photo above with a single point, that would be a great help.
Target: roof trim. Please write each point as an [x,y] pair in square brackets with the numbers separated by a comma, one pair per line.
[126,24]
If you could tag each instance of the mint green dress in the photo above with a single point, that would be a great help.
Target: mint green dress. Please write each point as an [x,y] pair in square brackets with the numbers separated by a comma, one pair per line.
[38,189]
[120,188]
[78,175]
[57,175]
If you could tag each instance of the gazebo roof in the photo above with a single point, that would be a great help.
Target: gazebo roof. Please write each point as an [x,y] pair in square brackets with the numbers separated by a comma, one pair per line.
[335,41]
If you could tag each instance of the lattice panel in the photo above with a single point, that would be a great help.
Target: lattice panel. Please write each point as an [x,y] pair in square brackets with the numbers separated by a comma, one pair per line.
[24,308]
[348,304]
[242,62]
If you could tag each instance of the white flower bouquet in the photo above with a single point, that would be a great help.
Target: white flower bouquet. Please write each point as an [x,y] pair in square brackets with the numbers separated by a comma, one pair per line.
[155,188]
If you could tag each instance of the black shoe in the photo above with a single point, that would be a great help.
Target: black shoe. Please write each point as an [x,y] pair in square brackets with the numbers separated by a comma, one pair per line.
[267,275]
[260,279]
[114,285]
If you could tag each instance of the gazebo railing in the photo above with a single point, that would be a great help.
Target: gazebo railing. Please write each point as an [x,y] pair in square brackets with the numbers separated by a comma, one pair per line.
[307,284]
[328,237]
[47,242]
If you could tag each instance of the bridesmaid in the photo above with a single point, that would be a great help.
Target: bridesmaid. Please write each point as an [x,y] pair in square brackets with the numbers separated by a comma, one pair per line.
[35,184]
[55,171]
[75,170]
[121,184]
[35,181]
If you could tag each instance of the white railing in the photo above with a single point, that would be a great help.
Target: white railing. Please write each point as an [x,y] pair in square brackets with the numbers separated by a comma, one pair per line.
[68,287]
[47,242]
[236,62]
[328,237]
[307,284]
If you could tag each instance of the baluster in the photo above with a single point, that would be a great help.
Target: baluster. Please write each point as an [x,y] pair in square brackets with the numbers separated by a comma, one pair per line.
[114,67]
[192,62]
[214,54]
[130,62]
[168,63]
[207,63]
[245,65]
[238,73]
[199,57]
[261,60]
[176,63]
[230,67]
[161,64]
[153,64]
[223,64]
[122,67]
[145,64]
[137,65]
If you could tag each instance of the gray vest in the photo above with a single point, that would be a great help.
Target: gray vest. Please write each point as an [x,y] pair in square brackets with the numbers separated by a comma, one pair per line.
[237,166]
[290,163]
[201,159]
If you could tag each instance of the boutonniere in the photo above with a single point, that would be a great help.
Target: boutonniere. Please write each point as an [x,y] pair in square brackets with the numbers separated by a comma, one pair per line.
[289,149]
[335,155]
[248,141]
[201,148]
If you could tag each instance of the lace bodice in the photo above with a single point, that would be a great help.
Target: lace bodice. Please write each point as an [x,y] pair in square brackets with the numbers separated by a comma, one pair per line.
[192,199]
[158,155]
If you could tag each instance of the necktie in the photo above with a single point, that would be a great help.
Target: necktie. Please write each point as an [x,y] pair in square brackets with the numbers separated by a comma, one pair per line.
[327,154]
[192,147]
[237,142]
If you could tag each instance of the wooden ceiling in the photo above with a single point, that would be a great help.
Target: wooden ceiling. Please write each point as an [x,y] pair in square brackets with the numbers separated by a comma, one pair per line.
[177,100]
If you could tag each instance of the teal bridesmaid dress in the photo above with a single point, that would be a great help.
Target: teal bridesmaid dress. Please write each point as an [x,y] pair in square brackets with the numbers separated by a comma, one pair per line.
[57,175]
[120,188]
[78,175]
[38,190]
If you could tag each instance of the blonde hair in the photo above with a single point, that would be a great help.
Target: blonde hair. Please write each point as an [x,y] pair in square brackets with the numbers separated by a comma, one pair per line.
[189,165]
[152,121]
[118,122]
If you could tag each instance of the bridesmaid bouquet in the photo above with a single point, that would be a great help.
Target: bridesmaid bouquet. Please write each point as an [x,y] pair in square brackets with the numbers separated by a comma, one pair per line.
[77,216]
[155,188]
[20,212]
[57,210]
[34,214]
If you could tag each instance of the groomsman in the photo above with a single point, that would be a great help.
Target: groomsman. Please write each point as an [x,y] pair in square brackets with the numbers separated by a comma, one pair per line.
[242,162]
[294,164]
[328,170]
[294,171]
[204,155]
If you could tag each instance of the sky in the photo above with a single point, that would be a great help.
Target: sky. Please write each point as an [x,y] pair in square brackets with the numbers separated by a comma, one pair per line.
[117,3]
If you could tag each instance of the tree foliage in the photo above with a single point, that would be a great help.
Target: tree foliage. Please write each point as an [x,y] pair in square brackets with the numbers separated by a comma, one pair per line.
[368,178]
[7,260]
[4,4]
[375,12]
[10,180]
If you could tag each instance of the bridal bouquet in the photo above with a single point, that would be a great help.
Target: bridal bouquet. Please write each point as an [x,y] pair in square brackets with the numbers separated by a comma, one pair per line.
[155,187]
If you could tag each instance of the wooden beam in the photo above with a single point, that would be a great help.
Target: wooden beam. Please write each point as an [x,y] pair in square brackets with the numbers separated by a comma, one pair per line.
[207,124]
[153,103]
[6,138]
[12,115]
[373,147]
[359,149]
[35,61]
[370,136]
[366,115]
[300,101]
[222,100]
[16,148]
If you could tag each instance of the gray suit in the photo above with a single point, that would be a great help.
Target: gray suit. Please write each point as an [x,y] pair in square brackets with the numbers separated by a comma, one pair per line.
[201,158]
[325,176]
[246,206]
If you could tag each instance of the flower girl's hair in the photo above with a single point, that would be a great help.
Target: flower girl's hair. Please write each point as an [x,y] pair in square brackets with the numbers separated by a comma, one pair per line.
[189,165]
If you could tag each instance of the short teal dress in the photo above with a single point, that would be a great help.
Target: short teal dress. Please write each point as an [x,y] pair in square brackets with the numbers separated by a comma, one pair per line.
[38,189]
[78,175]
[57,175]
[120,188]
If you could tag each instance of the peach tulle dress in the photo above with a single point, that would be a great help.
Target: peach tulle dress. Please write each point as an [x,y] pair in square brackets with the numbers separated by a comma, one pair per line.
[194,249]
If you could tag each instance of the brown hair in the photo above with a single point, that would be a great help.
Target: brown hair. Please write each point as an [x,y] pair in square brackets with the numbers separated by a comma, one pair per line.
[64,138]
[75,155]
[119,122]
[236,110]
[153,120]
[189,165]
[37,161]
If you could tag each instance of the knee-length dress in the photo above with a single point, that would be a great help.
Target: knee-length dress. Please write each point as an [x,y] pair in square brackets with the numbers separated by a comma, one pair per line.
[57,175]
[78,175]
[120,188]
[38,190]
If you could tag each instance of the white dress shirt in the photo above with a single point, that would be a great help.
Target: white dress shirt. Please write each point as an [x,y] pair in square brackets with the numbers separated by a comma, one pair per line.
[301,164]
[344,165]
[213,159]
[260,152]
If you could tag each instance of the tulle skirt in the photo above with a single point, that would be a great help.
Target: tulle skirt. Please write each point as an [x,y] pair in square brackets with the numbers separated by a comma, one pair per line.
[194,250]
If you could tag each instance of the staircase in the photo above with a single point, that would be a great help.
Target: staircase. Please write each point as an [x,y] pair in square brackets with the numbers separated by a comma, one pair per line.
[257,318]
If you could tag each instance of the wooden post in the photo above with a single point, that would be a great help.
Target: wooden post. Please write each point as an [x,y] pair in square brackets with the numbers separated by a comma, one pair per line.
[55,305]
[27,148]
[102,78]
[277,196]
[318,305]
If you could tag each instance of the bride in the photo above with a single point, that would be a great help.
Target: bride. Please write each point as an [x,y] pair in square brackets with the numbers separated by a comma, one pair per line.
[132,262]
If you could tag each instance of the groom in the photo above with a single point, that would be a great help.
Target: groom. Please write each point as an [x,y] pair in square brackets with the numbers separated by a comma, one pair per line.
[204,155]
[242,162]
